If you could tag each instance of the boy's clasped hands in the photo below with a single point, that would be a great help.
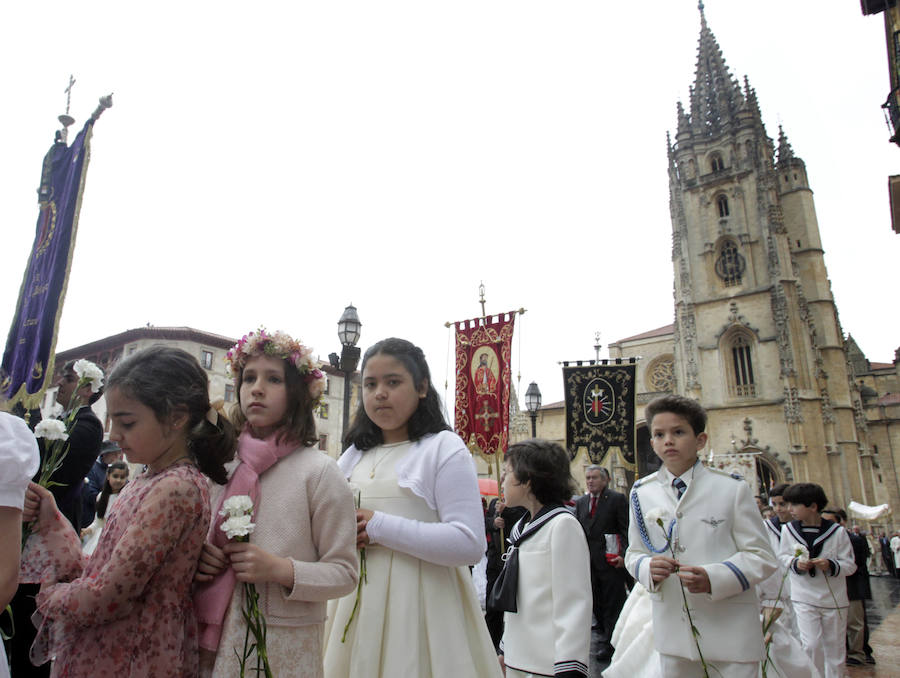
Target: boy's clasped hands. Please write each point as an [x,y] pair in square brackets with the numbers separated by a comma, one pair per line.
[822,564]
[695,579]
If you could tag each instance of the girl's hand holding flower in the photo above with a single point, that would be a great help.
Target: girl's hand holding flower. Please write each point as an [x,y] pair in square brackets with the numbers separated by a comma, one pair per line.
[363,516]
[212,561]
[39,506]
[254,565]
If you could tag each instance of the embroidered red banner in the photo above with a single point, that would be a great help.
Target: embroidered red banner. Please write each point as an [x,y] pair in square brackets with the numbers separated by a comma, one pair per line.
[483,369]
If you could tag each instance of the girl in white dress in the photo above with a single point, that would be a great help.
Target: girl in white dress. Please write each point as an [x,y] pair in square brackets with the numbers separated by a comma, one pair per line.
[415,612]
[116,477]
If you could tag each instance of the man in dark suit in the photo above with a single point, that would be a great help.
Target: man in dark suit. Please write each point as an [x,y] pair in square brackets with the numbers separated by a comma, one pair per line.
[603,513]
[85,438]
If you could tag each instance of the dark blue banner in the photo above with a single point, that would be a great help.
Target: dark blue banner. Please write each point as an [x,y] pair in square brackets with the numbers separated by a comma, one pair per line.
[28,359]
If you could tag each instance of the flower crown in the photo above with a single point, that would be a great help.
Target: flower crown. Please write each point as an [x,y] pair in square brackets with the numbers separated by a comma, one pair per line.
[277,345]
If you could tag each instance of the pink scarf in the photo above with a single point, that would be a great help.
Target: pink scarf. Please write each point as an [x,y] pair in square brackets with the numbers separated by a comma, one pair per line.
[211,599]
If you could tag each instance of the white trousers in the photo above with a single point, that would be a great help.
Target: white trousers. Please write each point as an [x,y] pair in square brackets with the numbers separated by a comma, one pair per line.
[678,667]
[823,632]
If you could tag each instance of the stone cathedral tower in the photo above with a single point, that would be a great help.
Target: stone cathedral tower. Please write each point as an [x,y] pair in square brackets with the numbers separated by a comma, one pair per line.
[757,337]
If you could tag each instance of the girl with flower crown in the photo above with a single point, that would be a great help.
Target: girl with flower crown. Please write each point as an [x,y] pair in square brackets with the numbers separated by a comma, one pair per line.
[421,523]
[126,610]
[301,551]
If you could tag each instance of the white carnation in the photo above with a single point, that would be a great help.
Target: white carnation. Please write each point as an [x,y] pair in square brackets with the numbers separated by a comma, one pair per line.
[655,515]
[51,429]
[801,553]
[237,526]
[89,372]
[238,505]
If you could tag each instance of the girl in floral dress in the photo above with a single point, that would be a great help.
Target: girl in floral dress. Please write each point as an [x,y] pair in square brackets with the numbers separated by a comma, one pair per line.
[126,610]
[421,524]
[301,552]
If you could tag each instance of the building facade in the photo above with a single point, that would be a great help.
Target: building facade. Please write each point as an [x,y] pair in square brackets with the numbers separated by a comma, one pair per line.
[756,335]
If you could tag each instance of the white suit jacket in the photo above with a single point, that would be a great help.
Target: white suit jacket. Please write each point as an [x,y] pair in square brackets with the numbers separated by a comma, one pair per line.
[717,527]
[551,632]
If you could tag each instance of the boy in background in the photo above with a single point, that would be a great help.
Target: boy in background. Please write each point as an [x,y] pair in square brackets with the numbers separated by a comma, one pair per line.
[819,556]
[712,544]
[786,651]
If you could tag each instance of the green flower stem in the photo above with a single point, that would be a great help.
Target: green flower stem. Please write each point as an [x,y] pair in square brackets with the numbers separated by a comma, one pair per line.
[695,632]
[831,591]
[771,620]
[363,579]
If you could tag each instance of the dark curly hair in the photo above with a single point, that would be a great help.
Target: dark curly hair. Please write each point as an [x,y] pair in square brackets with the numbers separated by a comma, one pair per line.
[167,379]
[428,416]
[545,465]
[688,408]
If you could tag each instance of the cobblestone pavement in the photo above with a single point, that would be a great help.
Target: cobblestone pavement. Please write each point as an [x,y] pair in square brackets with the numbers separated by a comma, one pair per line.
[883,613]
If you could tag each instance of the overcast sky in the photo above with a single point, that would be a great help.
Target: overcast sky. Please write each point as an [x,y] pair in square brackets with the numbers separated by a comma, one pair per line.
[269,163]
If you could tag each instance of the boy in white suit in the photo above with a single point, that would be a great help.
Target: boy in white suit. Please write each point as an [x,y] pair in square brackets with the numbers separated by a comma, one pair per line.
[711,539]
[819,556]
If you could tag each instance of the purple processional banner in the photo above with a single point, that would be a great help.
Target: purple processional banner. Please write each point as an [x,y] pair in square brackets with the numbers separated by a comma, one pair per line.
[28,359]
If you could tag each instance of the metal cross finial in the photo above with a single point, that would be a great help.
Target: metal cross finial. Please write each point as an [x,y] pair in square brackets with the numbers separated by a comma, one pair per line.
[68,92]
[597,345]
[481,298]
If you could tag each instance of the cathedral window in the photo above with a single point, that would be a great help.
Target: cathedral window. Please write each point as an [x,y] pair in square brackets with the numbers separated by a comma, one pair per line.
[660,376]
[730,265]
[722,205]
[716,162]
[742,383]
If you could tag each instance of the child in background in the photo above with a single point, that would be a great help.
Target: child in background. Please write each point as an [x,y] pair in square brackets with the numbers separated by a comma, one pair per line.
[722,551]
[818,588]
[421,524]
[547,571]
[302,550]
[786,654]
[116,477]
[127,610]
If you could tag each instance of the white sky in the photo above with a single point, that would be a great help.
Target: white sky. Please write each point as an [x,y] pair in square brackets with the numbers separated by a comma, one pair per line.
[272,162]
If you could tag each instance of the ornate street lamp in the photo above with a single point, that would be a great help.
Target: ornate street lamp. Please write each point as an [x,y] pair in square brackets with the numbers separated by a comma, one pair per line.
[533,404]
[348,332]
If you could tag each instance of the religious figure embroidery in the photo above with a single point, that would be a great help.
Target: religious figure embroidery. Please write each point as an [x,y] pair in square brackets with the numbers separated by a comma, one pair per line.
[486,373]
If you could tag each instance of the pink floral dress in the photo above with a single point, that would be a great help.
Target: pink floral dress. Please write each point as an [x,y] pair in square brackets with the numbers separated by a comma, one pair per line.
[127,610]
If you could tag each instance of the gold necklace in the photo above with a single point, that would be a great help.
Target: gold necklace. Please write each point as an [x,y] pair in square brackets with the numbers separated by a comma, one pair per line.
[386,453]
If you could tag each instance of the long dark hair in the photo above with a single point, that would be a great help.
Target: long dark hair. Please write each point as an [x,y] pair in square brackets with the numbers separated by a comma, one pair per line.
[167,379]
[428,416]
[103,499]
[298,424]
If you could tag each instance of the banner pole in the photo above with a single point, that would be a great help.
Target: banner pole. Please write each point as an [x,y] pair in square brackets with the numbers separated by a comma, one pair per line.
[499,500]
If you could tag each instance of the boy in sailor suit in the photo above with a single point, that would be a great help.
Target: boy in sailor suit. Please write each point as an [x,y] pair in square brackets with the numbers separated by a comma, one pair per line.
[786,653]
[721,551]
[818,588]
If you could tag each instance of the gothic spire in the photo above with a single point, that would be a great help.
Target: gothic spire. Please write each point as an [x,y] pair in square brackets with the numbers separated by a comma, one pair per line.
[785,152]
[716,96]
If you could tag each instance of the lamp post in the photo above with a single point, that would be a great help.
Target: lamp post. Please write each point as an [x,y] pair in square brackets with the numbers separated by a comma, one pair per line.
[348,332]
[533,404]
